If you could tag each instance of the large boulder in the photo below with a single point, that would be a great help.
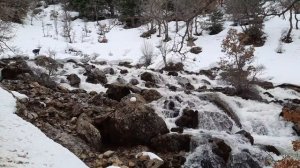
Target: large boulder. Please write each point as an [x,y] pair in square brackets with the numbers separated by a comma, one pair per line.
[171,142]
[242,160]
[148,77]
[215,121]
[117,91]
[189,119]
[132,123]
[74,80]
[88,131]
[96,76]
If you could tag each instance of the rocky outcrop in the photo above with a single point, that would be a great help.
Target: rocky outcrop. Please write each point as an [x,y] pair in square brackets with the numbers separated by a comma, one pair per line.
[188,119]
[14,68]
[132,123]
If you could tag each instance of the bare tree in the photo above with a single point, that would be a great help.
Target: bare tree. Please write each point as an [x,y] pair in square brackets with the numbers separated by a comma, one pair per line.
[67,26]
[6,34]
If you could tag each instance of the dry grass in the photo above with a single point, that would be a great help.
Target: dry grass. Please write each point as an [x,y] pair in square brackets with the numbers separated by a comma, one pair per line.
[287,162]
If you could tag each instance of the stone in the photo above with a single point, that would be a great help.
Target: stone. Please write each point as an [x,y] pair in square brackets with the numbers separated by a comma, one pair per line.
[132,123]
[220,148]
[196,50]
[171,142]
[188,119]
[74,80]
[151,95]
[88,131]
[108,153]
[148,77]
[246,135]
[117,91]
[96,76]
[134,82]
[173,73]
[123,71]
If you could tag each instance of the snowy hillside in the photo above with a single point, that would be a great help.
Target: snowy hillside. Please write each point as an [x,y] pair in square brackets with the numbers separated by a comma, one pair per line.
[125,44]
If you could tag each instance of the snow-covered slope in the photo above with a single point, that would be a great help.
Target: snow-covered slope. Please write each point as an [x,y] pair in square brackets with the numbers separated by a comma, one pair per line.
[22,145]
[125,44]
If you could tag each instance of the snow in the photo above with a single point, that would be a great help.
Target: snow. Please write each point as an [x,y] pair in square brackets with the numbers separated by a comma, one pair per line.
[22,145]
[125,44]
[151,155]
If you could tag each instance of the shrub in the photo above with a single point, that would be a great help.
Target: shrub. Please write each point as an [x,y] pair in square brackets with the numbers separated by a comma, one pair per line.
[148,53]
[253,36]
[216,22]
[237,63]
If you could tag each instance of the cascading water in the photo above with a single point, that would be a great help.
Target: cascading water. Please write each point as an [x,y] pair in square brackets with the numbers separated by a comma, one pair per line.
[260,119]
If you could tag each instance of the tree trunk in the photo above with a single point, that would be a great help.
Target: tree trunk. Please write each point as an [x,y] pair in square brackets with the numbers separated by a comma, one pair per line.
[297,21]
[288,38]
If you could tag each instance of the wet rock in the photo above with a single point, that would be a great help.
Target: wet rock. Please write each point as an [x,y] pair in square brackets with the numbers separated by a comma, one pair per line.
[270,148]
[246,135]
[74,80]
[134,82]
[172,73]
[96,76]
[189,86]
[265,84]
[171,142]
[125,64]
[109,70]
[89,132]
[132,123]
[108,153]
[148,77]
[177,129]
[189,119]
[147,162]
[45,80]
[220,148]
[172,88]
[209,73]
[174,67]
[117,91]
[123,71]
[151,95]
[290,86]
[150,85]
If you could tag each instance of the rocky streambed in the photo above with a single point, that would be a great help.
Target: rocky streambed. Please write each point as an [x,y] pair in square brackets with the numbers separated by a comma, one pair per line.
[110,113]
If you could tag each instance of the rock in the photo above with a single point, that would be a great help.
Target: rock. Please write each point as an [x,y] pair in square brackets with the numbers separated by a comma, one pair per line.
[209,73]
[15,68]
[189,119]
[96,76]
[173,73]
[134,82]
[290,86]
[171,142]
[246,135]
[291,113]
[220,148]
[123,71]
[172,88]
[270,148]
[151,95]
[108,154]
[132,123]
[150,85]
[265,84]
[45,80]
[74,80]
[117,91]
[147,162]
[148,77]
[174,67]
[89,132]
[189,86]
[177,129]
[109,70]
[196,50]
[125,64]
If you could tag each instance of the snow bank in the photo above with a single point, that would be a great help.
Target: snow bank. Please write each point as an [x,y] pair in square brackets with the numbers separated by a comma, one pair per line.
[24,146]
